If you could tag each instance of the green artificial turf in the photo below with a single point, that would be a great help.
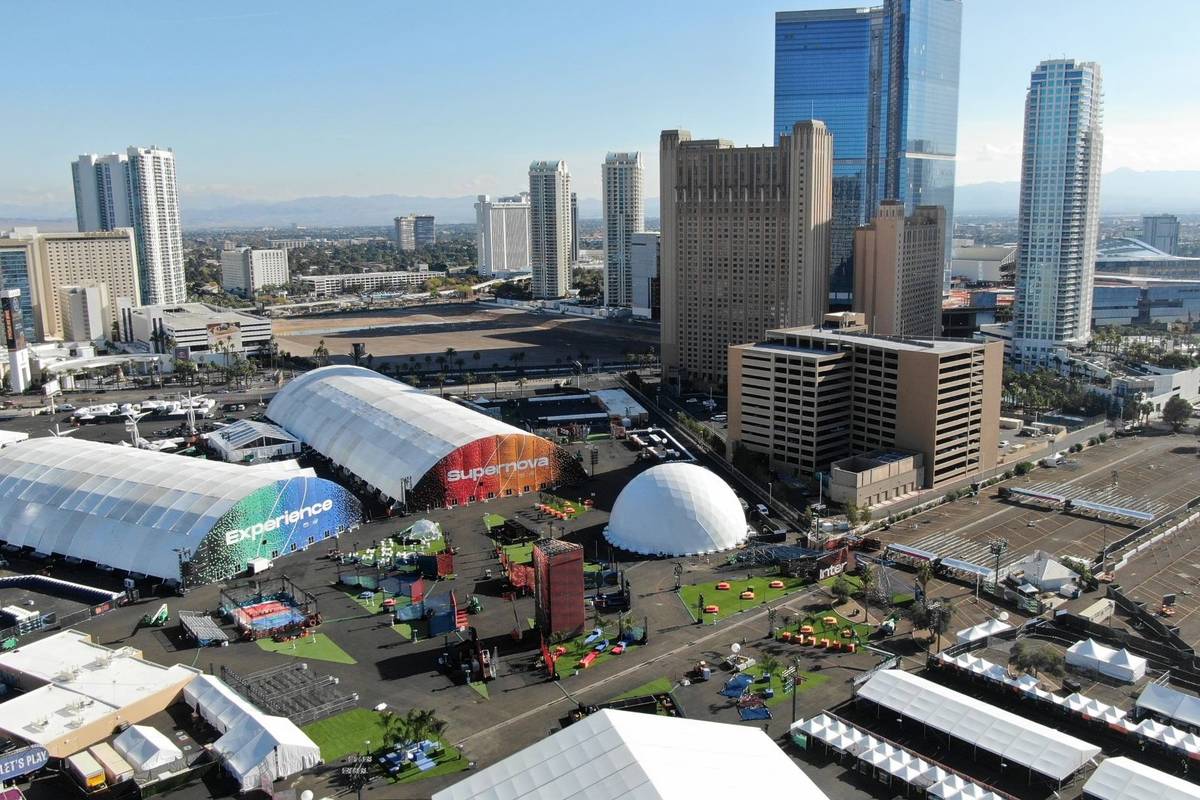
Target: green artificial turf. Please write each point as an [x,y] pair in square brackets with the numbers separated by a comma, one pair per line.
[493,521]
[519,553]
[728,600]
[656,686]
[318,647]
[566,665]
[861,631]
[807,681]
[342,734]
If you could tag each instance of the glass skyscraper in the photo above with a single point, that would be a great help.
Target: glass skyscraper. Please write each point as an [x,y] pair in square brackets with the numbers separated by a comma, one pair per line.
[16,262]
[885,82]
[1058,219]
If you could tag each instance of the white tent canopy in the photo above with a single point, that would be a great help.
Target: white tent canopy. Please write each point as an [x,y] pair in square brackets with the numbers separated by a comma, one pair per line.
[1043,571]
[983,630]
[254,744]
[1125,779]
[1120,664]
[146,748]
[676,509]
[1168,702]
[382,430]
[1016,739]
[424,530]
[128,508]
[622,755]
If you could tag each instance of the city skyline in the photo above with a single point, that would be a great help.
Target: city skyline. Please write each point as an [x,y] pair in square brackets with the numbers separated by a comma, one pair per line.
[1146,128]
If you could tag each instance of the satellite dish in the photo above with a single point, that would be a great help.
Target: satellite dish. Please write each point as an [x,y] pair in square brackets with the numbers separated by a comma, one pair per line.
[735,648]
[1003,616]
[306,795]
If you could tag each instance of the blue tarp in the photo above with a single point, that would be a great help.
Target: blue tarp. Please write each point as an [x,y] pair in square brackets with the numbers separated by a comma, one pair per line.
[759,712]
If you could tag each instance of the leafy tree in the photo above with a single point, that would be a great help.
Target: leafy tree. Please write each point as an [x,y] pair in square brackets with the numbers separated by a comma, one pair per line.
[1023,468]
[840,589]
[852,513]
[1032,656]
[770,664]
[321,353]
[924,575]
[1176,412]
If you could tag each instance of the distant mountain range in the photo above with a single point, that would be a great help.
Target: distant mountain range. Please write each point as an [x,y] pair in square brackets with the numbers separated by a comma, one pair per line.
[1124,191]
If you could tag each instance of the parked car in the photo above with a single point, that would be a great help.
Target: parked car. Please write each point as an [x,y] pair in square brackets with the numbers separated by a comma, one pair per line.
[762,510]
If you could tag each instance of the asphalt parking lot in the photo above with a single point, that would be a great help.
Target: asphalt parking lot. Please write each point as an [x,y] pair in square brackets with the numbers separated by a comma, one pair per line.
[1153,473]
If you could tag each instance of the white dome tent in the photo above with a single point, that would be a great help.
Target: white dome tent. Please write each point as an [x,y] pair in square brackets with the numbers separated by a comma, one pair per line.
[676,509]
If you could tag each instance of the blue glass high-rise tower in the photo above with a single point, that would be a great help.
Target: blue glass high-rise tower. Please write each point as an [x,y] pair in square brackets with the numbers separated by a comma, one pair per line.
[884,80]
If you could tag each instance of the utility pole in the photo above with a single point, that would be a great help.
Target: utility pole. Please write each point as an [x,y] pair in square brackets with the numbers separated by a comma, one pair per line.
[997,547]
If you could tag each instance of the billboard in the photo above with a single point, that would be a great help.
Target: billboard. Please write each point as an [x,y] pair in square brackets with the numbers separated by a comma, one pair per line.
[14,330]
[16,763]
[225,336]
[273,521]
[496,466]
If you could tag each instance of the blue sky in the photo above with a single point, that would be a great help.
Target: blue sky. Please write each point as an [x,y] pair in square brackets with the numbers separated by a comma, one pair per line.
[274,100]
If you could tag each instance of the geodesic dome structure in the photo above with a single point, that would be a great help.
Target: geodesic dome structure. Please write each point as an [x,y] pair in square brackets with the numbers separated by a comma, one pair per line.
[676,509]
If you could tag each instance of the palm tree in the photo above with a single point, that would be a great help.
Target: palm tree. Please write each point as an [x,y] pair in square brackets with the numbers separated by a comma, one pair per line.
[868,578]
[469,378]
[321,353]
[521,386]
[494,378]
[924,574]
[475,356]
[411,380]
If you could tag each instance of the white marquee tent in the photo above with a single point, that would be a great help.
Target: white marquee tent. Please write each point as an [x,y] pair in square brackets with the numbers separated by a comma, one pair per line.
[127,508]
[253,744]
[1125,779]
[1169,703]
[676,509]
[146,748]
[622,755]
[1120,664]
[983,630]
[1016,739]
[383,431]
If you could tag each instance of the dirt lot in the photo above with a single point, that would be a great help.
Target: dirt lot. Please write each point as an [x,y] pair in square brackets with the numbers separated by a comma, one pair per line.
[406,336]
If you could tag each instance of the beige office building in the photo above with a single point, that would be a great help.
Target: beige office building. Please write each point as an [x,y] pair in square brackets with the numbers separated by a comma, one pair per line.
[745,244]
[55,260]
[898,270]
[806,397]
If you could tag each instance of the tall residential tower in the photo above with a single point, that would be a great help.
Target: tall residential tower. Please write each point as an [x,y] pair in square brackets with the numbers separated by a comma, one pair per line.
[885,82]
[550,228]
[137,190]
[1058,220]
[745,244]
[622,185]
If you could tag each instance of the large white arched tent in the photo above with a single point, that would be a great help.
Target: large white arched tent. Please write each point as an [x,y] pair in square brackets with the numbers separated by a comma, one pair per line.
[159,514]
[401,441]
[676,509]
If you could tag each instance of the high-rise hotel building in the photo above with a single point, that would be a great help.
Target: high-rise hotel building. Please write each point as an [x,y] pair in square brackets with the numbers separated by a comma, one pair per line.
[624,199]
[502,237]
[550,230]
[137,189]
[744,244]
[884,80]
[1058,218]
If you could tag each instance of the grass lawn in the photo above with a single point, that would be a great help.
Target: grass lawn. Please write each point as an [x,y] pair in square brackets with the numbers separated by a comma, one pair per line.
[576,649]
[374,605]
[862,632]
[519,553]
[728,600]
[342,734]
[809,680]
[345,733]
[318,647]
[449,762]
[559,504]
[493,521]
[656,686]
[854,581]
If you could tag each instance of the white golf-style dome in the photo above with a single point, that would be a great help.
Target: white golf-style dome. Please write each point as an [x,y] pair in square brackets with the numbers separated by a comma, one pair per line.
[676,510]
